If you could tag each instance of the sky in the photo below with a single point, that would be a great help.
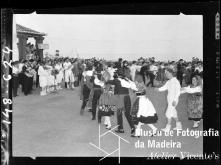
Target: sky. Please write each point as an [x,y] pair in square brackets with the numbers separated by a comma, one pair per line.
[166,37]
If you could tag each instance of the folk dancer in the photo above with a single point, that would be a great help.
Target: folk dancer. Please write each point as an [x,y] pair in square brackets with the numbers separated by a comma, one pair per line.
[87,86]
[123,101]
[194,100]
[106,102]
[97,85]
[173,88]
[143,111]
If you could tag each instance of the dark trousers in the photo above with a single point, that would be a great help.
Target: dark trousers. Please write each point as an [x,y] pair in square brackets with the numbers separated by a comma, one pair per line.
[144,77]
[27,85]
[86,93]
[37,81]
[79,77]
[99,116]
[152,77]
[31,83]
[127,108]
[15,84]
[180,78]
[21,77]
[96,97]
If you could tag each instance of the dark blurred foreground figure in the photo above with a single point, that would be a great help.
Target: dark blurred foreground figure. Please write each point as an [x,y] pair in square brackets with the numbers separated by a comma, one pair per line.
[28,78]
[15,78]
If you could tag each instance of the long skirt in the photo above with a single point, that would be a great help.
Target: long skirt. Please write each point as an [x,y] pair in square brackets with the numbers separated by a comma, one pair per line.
[106,105]
[195,106]
[51,80]
[106,110]
[59,77]
[43,81]
[143,111]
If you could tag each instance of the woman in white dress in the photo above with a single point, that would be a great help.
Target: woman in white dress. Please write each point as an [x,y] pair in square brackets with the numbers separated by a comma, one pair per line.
[59,76]
[50,77]
[72,76]
[43,74]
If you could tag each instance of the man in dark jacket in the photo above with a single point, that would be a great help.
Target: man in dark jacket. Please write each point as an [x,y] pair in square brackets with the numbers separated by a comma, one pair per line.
[97,90]
[144,70]
[123,102]
[180,71]
[119,64]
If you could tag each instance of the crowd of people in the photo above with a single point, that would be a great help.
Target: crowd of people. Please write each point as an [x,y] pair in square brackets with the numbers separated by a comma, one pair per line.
[107,87]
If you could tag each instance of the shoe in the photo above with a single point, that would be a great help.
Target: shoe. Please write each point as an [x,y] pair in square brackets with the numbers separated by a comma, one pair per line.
[196,124]
[108,127]
[167,128]
[119,131]
[132,131]
[93,118]
[178,126]
[133,135]
[90,110]
[154,133]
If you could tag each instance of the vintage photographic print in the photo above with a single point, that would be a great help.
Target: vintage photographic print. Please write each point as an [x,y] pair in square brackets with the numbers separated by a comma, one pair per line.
[107,86]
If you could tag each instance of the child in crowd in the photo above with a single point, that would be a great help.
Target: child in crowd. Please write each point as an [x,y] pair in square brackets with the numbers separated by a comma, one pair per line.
[173,88]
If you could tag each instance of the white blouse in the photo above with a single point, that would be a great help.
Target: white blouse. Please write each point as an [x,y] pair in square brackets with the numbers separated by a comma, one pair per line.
[98,82]
[173,88]
[42,72]
[128,84]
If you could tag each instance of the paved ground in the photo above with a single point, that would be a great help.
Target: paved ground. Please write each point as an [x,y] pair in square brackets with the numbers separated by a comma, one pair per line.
[52,126]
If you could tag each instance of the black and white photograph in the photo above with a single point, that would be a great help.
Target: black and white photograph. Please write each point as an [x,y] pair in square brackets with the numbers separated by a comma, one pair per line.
[108,85]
